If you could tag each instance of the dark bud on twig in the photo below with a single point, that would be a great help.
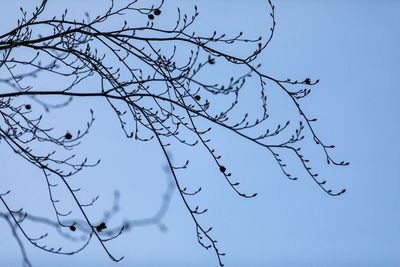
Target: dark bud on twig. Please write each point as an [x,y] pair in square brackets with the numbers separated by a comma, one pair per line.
[72,228]
[222,168]
[28,107]
[197,97]
[101,227]
[68,136]
[157,12]
[151,16]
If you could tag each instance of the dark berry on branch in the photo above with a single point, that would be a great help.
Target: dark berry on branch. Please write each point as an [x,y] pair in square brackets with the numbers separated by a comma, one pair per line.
[101,227]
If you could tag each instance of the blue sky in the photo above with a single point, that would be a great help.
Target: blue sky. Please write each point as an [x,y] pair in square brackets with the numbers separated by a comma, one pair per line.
[352,47]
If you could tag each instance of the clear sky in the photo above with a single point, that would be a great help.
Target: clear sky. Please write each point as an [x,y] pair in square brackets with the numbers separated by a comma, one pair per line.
[353,48]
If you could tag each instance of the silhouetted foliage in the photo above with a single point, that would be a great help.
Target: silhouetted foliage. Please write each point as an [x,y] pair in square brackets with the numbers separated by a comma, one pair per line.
[157,92]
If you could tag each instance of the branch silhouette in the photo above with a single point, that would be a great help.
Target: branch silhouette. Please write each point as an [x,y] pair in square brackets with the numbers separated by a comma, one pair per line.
[152,79]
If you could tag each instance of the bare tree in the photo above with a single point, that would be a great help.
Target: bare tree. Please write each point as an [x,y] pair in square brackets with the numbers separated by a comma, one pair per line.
[155,81]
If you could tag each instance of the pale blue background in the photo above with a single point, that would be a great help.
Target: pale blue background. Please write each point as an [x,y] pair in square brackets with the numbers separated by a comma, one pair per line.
[353,48]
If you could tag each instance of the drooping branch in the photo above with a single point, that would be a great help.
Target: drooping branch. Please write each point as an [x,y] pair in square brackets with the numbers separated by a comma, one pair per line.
[152,79]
